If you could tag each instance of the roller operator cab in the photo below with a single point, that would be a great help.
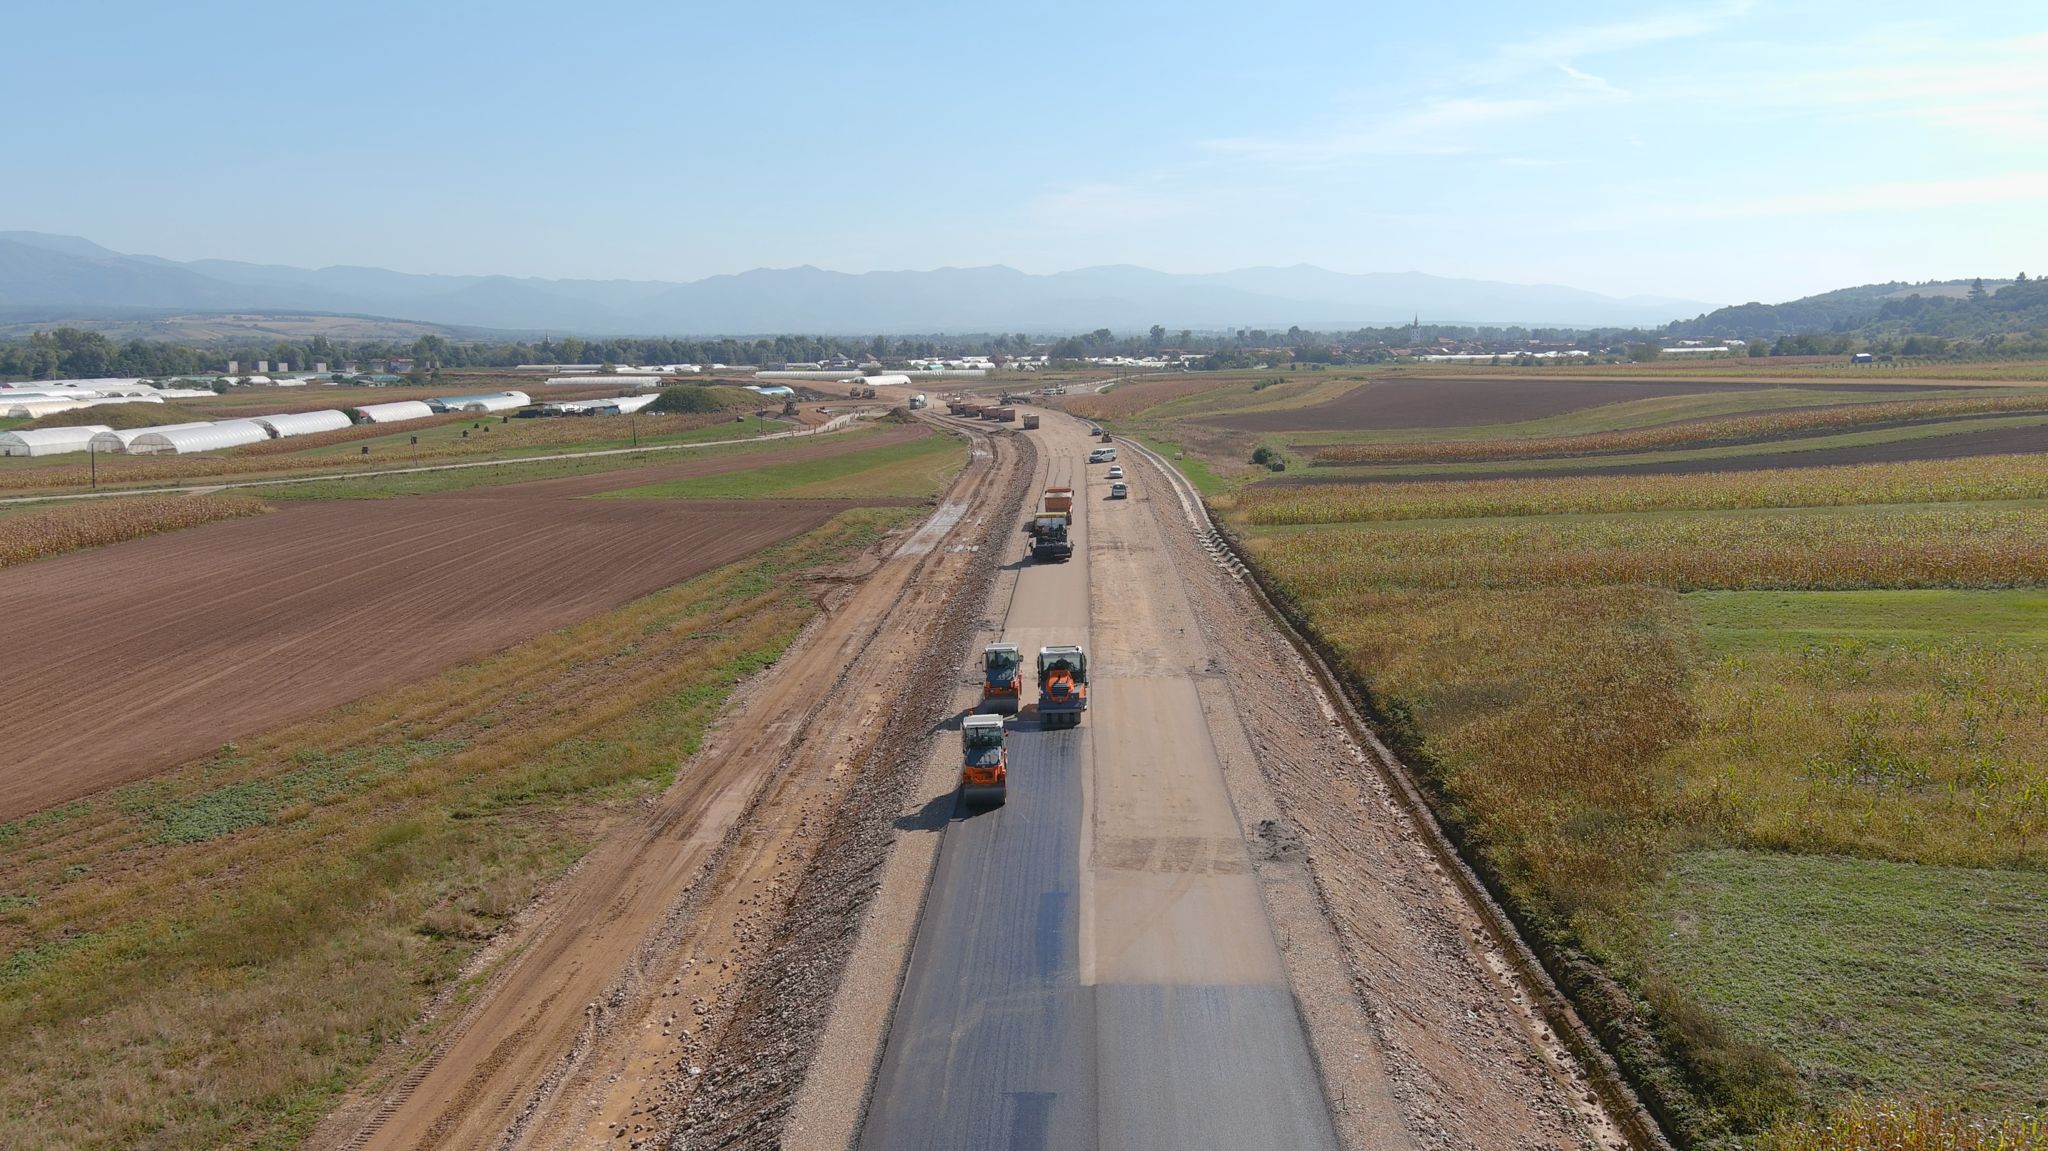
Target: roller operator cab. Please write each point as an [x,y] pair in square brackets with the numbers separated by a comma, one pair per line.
[984,760]
[1002,678]
[1062,685]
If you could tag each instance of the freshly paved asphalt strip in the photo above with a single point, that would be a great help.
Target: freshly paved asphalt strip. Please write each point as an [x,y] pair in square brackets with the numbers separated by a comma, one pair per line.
[1094,967]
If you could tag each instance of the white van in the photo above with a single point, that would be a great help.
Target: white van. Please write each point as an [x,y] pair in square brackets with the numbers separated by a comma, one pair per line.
[1102,456]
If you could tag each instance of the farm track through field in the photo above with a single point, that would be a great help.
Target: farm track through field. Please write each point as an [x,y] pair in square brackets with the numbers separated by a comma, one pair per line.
[142,655]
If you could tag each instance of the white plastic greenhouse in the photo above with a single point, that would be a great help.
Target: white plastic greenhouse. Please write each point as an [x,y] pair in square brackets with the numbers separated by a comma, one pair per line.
[116,440]
[202,438]
[48,441]
[394,413]
[36,409]
[304,423]
[484,402]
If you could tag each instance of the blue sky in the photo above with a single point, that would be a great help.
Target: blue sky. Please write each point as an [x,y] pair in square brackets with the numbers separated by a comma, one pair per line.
[1717,151]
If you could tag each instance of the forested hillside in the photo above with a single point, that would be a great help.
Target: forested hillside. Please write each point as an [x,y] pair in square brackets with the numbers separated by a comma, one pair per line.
[1973,316]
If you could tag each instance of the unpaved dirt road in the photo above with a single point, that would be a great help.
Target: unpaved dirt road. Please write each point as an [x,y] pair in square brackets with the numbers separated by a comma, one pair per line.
[132,658]
[650,957]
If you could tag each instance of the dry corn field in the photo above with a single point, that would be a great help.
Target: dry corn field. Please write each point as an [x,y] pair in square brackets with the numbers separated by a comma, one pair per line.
[1531,643]
[1729,430]
[68,527]
[1978,478]
[1909,1127]
[1971,545]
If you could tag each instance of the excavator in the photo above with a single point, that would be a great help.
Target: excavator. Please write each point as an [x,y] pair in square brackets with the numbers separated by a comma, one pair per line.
[1062,685]
[984,760]
[1001,678]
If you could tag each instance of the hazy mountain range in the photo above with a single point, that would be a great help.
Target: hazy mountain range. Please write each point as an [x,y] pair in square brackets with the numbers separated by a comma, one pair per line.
[55,277]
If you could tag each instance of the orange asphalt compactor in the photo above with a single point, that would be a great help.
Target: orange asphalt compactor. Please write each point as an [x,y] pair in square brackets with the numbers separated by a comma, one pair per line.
[1062,685]
[984,760]
[1002,678]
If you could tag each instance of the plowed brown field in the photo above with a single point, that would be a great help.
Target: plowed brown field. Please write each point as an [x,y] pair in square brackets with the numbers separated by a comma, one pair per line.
[1450,402]
[128,659]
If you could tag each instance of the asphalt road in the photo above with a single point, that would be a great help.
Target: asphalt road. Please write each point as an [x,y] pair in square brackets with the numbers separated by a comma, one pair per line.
[1094,967]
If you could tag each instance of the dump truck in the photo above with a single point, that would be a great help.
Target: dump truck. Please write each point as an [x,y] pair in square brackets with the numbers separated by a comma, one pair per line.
[1030,423]
[984,761]
[1002,678]
[1049,542]
[1058,500]
[1062,685]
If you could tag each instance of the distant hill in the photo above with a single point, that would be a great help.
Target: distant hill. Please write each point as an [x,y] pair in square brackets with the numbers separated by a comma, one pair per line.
[1940,308]
[47,273]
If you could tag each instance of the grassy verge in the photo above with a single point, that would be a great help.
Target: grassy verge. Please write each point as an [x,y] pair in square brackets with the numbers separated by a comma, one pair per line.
[1607,746]
[910,470]
[210,958]
[42,532]
[1194,468]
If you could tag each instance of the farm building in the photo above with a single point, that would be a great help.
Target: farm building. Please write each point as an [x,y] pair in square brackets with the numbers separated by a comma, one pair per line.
[116,440]
[186,394]
[482,402]
[48,441]
[198,438]
[304,423]
[396,412]
[779,391]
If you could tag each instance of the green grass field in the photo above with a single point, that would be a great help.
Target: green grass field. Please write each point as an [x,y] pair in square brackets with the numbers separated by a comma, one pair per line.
[1737,623]
[1873,978]
[916,469]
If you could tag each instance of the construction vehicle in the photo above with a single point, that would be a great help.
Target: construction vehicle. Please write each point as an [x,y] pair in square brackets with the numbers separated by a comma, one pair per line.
[917,401]
[1062,685]
[1107,438]
[1030,423]
[1049,542]
[1057,501]
[984,760]
[1002,678]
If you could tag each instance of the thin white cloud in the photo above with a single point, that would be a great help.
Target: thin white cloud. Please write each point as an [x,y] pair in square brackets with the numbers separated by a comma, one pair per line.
[1602,39]
[1995,89]
[1904,196]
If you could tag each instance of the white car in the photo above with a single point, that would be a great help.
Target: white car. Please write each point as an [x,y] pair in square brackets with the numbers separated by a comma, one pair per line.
[1119,490]
[1116,473]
